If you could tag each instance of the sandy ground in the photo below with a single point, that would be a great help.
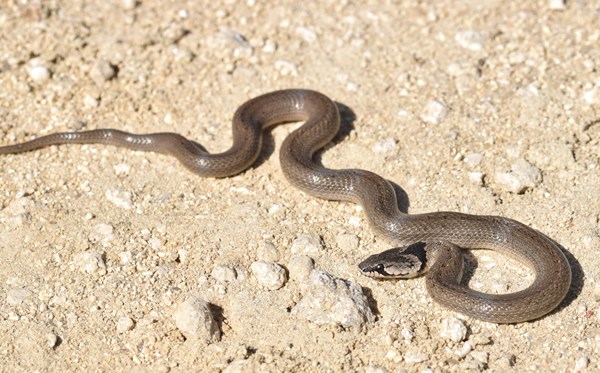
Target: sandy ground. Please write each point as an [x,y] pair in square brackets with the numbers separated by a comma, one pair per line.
[443,98]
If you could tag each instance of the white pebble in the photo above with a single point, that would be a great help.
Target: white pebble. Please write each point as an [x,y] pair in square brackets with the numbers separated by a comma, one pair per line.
[454,329]
[286,68]
[463,350]
[581,363]
[556,4]
[347,241]
[270,275]
[125,324]
[195,320]
[384,146]
[300,267]
[90,101]
[39,74]
[119,197]
[307,244]
[415,357]
[102,71]
[522,176]
[51,340]
[476,177]
[375,369]
[592,96]
[393,355]
[434,112]
[470,39]
[332,301]
[17,296]
[103,233]
[482,356]
[17,212]
[90,262]
[473,159]
[307,34]
[128,4]
[224,274]
[122,169]
[267,251]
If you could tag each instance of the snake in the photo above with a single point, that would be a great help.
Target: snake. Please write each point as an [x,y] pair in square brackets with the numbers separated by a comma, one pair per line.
[426,243]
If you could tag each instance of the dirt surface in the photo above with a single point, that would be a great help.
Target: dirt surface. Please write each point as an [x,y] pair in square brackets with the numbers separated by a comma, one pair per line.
[480,107]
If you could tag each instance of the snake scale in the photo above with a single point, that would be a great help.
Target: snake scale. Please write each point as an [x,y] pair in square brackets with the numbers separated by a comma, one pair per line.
[423,242]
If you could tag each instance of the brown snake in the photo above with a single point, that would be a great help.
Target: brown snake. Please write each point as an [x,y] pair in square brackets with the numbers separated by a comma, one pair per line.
[426,240]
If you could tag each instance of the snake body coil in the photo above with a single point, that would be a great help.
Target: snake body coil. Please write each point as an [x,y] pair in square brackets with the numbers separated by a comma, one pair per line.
[433,232]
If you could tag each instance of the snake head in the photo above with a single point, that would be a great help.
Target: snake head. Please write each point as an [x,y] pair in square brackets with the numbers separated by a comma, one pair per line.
[400,262]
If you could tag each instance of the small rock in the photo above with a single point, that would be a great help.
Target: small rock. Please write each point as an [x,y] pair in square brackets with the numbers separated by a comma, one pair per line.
[476,177]
[473,159]
[300,267]
[557,4]
[129,4]
[347,241]
[17,212]
[270,275]
[581,363]
[286,68]
[103,233]
[90,262]
[454,329]
[463,350]
[375,369]
[102,71]
[119,197]
[307,244]
[393,355]
[39,74]
[592,96]
[90,101]
[330,300]
[125,324]
[415,357]
[17,296]
[470,39]
[307,34]
[51,340]
[522,176]
[434,112]
[267,252]
[482,356]
[195,320]
[384,146]
[224,274]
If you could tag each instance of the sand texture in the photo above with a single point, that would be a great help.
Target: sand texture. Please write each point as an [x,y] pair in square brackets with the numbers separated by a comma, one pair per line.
[115,260]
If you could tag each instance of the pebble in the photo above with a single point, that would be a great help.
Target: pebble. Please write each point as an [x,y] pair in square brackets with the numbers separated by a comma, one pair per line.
[17,212]
[482,356]
[90,262]
[300,267]
[415,357]
[434,112]
[17,296]
[38,72]
[286,68]
[476,178]
[454,329]
[102,71]
[463,350]
[347,241]
[195,320]
[90,101]
[307,244]
[224,274]
[51,340]
[592,96]
[330,300]
[269,275]
[103,233]
[473,159]
[119,197]
[470,39]
[384,145]
[375,369]
[557,4]
[125,324]
[522,175]
[307,34]
[581,363]
[267,251]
